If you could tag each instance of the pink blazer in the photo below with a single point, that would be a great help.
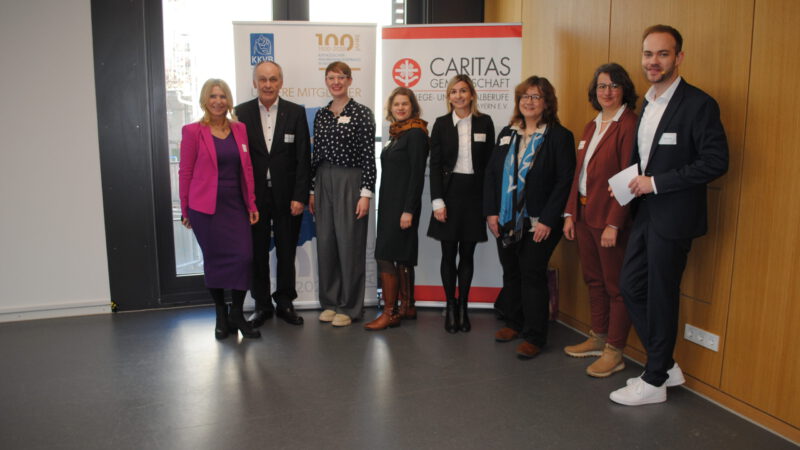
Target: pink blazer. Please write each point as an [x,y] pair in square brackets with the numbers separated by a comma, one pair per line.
[198,174]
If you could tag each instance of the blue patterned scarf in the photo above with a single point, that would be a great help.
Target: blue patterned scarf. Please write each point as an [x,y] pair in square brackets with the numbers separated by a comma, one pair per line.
[511,184]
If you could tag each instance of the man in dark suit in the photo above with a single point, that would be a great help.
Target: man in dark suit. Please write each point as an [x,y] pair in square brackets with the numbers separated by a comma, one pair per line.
[277,131]
[680,147]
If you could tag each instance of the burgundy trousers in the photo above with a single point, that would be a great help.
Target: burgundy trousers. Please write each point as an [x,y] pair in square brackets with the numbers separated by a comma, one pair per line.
[601,272]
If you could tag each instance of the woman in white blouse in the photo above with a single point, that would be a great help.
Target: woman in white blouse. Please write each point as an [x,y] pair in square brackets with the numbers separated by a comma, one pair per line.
[461,143]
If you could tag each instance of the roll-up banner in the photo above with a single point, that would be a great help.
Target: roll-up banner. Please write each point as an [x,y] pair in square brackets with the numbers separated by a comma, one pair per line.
[304,50]
[424,58]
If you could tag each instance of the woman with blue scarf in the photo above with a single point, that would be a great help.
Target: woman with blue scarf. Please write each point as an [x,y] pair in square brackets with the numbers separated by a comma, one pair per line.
[527,184]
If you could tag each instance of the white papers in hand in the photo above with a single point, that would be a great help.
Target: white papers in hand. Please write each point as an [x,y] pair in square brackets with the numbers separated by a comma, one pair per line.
[619,184]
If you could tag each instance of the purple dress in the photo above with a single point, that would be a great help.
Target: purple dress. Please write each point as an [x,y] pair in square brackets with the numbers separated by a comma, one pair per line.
[224,236]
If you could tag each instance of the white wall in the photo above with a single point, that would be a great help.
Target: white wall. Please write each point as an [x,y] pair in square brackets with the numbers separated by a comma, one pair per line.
[52,235]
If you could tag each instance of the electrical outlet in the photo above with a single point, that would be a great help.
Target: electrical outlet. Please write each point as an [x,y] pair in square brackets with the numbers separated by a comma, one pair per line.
[701,337]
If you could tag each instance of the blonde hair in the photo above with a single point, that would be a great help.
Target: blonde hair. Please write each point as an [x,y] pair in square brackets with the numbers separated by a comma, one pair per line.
[205,94]
[473,104]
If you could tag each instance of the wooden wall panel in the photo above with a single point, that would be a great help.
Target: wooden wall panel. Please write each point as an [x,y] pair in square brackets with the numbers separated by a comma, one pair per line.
[701,267]
[502,11]
[762,366]
[565,41]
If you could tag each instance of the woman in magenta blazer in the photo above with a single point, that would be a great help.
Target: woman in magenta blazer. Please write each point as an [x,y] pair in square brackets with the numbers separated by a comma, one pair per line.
[600,224]
[218,202]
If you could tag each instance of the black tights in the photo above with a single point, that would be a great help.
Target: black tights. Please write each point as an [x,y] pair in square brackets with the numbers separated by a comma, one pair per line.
[218,294]
[463,271]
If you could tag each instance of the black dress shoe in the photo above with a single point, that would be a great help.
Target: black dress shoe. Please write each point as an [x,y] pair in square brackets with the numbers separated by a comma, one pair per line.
[462,316]
[260,316]
[450,316]
[288,314]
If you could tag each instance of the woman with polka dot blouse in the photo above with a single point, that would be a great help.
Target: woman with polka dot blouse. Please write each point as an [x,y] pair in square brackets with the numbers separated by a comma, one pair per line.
[343,180]
[461,143]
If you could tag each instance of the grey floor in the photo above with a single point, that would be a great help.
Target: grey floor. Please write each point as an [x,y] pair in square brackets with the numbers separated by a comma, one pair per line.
[159,380]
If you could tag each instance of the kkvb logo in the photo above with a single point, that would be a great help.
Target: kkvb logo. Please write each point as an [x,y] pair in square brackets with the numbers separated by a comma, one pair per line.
[262,47]
[406,72]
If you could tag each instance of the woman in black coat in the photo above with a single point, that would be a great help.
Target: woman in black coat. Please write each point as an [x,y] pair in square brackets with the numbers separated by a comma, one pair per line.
[461,143]
[402,179]
[527,185]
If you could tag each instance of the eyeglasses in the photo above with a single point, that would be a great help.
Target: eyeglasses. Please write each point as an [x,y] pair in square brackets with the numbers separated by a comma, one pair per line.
[603,86]
[526,97]
[336,77]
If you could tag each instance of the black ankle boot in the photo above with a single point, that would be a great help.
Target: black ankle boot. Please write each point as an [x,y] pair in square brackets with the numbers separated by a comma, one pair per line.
[237,320]
[221,329]
[462,318]
[450,316]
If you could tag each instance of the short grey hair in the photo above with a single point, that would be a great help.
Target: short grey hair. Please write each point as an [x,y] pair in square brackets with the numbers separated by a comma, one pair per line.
[280,69]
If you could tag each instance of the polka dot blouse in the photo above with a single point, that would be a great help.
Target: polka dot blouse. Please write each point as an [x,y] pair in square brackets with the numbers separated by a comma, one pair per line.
[346,140]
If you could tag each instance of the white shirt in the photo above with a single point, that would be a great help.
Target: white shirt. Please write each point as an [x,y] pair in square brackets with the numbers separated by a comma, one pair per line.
[651,116]
[268,118]
[593,143]
[464,128]
[464,161]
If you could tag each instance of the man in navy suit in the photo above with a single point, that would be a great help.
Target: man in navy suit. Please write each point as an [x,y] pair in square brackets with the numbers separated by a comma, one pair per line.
[680,148]
[277,131]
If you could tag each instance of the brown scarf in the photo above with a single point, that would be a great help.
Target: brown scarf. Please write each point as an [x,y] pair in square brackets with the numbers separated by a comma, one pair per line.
[399,127]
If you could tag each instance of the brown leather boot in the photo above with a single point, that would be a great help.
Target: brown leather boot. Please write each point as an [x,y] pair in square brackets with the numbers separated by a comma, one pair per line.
[390,317]
[406,296]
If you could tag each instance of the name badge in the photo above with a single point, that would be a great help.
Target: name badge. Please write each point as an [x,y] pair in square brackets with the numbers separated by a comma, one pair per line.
[668,139]
[244,148]
[505,140]
[581,145]
[480,137]
[288,138]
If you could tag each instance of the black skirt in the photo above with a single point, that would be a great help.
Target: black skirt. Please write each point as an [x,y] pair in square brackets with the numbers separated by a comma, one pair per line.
[464,203]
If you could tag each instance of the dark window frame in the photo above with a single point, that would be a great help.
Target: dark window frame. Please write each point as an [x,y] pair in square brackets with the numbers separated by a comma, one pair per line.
[128,45]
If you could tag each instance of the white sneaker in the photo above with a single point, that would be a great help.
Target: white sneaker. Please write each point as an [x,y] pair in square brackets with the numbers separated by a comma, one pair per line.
[639,393]
[674,377]
[341,320]
[327,315]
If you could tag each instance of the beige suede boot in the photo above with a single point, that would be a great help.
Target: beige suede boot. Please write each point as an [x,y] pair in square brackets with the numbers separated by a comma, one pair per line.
[610,362]
[592,346]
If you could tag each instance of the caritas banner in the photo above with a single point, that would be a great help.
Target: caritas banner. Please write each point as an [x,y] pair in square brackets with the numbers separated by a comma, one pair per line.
[424,58]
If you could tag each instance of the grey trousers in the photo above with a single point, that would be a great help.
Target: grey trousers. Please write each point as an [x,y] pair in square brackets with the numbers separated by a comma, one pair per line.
[341,240]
